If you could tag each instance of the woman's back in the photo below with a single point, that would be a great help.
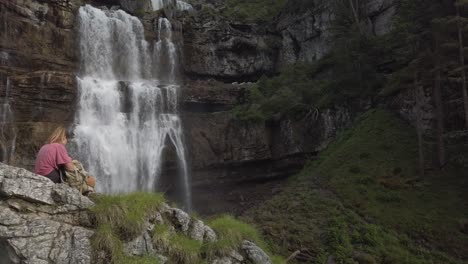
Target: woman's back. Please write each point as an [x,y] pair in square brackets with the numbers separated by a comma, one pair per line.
[50,157]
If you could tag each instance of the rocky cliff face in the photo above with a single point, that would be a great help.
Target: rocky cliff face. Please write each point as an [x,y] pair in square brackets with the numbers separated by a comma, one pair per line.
[39,61]
[227,154]
[231,50]
[42,222]
[37,67]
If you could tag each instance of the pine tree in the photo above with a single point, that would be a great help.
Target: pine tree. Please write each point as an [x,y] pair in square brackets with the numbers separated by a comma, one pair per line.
[418,47]
[461,23]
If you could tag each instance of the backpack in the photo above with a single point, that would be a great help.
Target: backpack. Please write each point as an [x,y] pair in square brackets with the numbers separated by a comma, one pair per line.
[78,179]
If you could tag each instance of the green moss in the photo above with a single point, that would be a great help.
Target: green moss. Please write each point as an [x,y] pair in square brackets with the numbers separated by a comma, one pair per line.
[362,200]
[126,213]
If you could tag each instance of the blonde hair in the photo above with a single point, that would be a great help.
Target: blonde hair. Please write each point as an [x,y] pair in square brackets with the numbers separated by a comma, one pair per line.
[58,136]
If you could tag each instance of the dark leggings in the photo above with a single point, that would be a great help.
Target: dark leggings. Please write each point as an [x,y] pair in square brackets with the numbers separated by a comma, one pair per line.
[54,176]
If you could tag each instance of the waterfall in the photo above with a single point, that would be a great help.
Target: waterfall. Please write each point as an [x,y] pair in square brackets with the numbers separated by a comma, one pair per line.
[157,4]
[127,113]
[165,52]
[178,4]
[7,130]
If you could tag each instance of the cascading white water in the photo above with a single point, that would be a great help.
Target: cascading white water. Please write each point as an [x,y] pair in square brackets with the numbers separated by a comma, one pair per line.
[178,4]
[157,4]
[7,131]
[165,53]
[126,113]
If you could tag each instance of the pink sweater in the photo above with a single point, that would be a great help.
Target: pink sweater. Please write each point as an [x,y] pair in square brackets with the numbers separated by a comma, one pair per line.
[50,157]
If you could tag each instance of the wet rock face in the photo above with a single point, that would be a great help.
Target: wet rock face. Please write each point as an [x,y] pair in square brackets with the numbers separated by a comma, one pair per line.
[217,48]
[41,100]
[45,96]
[133,6]
[38,60]
[228,155]
[227,51]
[305,34]
[218,138]
[38,35]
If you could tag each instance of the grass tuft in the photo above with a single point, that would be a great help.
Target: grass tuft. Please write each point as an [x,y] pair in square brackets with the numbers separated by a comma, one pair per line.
[126,213]
[231,232]
[178,247]
[105,241]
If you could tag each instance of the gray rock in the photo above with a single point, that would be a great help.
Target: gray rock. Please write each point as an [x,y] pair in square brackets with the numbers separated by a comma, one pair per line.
[20,183]
[136,247]
[36,220]
[8,217]
[197,230]
[224,260]
[63,194]
[162,259]
[255,253]
[140,246]
[209,234]
[233,257]
[180,219]
[236,256]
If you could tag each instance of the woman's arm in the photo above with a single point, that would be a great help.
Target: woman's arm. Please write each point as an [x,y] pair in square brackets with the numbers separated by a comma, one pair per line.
[69,166]
[63,159]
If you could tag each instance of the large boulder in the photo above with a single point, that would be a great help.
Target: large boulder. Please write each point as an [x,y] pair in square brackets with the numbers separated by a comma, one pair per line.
[42,222]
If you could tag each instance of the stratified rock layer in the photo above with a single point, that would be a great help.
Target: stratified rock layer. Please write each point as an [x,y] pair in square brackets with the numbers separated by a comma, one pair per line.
[41,222]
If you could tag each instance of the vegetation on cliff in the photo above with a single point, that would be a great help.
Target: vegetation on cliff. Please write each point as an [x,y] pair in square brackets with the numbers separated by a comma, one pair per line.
[120,219]
[350,73]
[363,201]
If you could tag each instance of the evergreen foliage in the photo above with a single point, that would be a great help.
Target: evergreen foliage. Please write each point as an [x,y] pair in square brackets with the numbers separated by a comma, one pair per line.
[347,74]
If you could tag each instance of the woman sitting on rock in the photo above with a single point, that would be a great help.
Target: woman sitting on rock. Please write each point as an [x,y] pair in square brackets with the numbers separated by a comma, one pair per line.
[53,156]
